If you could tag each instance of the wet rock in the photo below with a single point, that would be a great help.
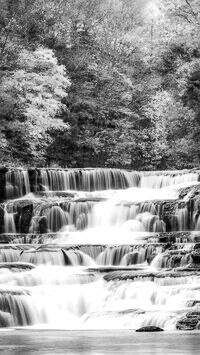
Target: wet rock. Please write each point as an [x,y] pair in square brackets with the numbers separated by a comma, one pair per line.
[174,260]
[1,219]
[17,266]
[7,238]
[168,214]
[33,179]
[132,258]
[128,275]
[3,171]
[175,237]
[9,291]
[43,225]
[24,214]
[151,256]
[90,199]
[189,322]
[193,314]
[131,311]
[193,303]
[50,194]
[6,319]
[195,255]
[22,238]
[192,191]
[150,328]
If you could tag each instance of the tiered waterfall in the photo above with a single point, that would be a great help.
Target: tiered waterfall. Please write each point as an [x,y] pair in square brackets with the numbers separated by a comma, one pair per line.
[99,248]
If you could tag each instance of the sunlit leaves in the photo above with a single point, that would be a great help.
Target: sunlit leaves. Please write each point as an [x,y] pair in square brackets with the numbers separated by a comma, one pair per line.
[38,85]
[32,98]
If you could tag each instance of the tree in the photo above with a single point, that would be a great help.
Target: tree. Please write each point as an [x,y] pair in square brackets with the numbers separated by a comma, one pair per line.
[35,89]
[134,96]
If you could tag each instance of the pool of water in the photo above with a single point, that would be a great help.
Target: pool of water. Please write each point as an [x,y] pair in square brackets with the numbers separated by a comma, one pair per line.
[29,342]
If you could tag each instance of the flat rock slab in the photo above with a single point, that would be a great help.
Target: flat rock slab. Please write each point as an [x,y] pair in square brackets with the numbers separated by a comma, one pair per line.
[125,274]
[17,265]
[49,194]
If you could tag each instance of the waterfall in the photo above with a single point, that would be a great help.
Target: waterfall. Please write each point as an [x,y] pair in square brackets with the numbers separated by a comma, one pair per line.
[183,219]
[18,308]
[120,251]
[88,180]
[9,254]
[158,181]
[9,219]
[56,219]
[43,256]
[9,223]
[17,183]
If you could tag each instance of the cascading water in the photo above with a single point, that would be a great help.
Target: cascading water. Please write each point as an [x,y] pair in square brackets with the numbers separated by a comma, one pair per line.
[183,219]
[102,255]
[9,223]
[88,180]
[158,181]
[17,183]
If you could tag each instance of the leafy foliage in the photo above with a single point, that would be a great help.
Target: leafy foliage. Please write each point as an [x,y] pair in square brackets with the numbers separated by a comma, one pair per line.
[32,103]
[133,98]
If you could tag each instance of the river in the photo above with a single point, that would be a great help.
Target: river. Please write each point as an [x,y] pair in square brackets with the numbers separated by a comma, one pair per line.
[31,342]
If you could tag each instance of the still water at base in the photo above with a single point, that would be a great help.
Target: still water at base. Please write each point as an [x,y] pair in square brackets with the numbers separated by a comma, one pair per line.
[22,342]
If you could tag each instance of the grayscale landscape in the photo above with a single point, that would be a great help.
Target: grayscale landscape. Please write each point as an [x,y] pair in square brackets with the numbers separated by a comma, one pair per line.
[99,177]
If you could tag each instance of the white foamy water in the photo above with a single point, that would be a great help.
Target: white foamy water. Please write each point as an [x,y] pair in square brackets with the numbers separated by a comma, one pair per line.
[44,299]
[97,270]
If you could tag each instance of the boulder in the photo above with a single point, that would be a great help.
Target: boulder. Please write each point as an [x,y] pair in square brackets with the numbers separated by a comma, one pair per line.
[196,256]
[6,319]
[188,322]
[150,328]
[43,225]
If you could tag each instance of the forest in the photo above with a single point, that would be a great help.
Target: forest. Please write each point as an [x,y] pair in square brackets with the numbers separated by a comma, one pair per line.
[100,83]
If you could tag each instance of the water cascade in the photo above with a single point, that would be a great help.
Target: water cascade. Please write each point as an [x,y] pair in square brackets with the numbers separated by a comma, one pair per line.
[100,248]
[17,183]
[9,223]
[88,180]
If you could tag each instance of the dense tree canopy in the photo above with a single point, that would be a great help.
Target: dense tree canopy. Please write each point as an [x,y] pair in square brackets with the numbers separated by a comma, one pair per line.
[100,83]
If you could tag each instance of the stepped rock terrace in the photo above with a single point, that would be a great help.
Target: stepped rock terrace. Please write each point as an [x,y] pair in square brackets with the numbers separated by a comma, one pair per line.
[99,248]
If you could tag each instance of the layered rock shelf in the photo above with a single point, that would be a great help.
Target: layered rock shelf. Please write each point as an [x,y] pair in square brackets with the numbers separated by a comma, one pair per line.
[123,246]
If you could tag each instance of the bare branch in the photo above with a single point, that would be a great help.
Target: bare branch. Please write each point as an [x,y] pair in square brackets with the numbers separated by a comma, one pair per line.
[185,17]
[192,11]
[5,40]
